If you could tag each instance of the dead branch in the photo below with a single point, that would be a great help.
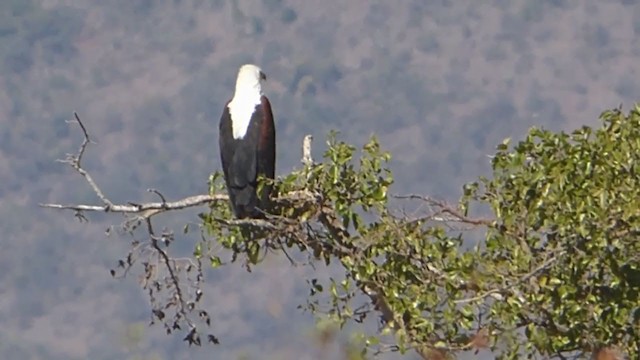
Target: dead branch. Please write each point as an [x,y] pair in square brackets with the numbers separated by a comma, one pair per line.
[147,208]
[144,211]
[75,162]
[170,284]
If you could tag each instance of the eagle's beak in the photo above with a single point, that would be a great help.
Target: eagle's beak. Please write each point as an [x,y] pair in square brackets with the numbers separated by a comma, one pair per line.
[263,76]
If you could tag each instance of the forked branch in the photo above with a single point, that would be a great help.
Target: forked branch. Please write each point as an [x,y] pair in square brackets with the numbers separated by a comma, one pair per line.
[163,275]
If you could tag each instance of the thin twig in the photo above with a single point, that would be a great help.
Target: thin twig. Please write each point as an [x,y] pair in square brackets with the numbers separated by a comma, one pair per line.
[75,162]
[164,200]
[182,308]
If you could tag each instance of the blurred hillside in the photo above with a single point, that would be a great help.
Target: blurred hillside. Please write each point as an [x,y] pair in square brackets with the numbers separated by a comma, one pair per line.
[440,82]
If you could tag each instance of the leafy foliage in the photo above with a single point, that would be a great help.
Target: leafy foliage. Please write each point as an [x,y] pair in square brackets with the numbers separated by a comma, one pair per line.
[556,275]
[566,215]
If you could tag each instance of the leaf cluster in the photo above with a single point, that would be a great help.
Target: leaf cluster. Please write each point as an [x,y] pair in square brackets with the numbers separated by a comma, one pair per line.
[566,209]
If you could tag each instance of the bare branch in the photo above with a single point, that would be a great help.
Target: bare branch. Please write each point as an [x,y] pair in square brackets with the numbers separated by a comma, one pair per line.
[144,210]
[177,294]
[75,162]
[191,201]
[172,274]
[164,200]
[86,141]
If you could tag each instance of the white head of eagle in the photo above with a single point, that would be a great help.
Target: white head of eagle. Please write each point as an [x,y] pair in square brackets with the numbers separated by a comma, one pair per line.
[247,143]
[248,94]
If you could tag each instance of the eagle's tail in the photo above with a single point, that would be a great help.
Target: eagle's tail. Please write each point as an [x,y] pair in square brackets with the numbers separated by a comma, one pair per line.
[244,202]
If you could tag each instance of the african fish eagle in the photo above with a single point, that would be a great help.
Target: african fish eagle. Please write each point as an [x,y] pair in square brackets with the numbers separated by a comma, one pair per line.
[247,142]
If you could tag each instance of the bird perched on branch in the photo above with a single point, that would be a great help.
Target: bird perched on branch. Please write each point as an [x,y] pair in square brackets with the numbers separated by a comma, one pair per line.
[247,144]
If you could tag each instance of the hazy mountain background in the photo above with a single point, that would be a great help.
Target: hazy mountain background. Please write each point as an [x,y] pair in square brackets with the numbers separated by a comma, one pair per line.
[439,81]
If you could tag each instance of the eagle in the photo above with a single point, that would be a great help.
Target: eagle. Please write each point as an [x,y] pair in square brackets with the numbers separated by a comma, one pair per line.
[247,140]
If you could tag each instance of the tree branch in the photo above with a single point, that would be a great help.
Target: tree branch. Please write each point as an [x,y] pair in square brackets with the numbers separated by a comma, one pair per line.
[75,162]
[132,208]
[146,210]
[170,284]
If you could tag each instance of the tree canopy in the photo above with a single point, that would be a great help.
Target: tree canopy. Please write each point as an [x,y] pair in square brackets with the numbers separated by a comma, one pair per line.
[538,259]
